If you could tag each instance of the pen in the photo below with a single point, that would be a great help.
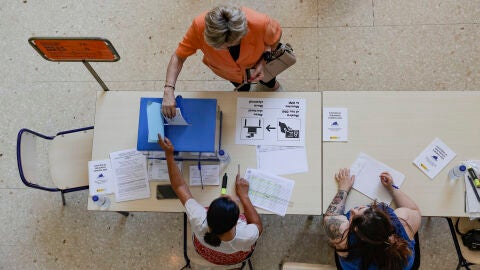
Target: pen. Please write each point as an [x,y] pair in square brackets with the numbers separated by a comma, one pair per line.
[224,184]
[238,171]
[200,169]
[395,187]
[474,188]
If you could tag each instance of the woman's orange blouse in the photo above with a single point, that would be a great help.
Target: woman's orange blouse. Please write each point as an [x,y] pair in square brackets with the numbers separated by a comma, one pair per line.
[262,31]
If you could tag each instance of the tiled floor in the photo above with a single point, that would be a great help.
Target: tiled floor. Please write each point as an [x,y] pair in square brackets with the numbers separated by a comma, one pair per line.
[340,45]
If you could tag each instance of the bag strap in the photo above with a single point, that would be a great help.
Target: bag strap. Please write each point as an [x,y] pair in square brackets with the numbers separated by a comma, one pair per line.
[456,228]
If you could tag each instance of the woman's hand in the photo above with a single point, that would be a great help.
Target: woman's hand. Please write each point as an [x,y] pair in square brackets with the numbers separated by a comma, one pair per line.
[344,179]
[259,72]
[241,186]
[166,145]
[387,180]
[168,103]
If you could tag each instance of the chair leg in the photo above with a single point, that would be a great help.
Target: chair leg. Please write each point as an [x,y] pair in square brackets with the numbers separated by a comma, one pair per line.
[63,197]
[250,266]
[462,262]
[185,255]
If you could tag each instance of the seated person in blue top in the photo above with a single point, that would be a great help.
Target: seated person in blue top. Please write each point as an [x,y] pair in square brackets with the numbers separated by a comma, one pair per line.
[220,236]
[373,236]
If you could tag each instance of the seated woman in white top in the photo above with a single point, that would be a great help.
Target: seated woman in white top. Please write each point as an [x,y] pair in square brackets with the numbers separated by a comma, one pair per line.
[219,230]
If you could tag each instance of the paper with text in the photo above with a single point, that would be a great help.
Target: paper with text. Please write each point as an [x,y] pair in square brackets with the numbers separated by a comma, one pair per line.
[100,177]
[270,121]
[210,175]
[434,158]
[130,169]
[367,172]
[268,191]
[280,160]
[335,124]
[158,170]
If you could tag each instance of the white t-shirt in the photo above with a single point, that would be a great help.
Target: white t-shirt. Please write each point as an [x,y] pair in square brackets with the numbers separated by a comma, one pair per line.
[246,234]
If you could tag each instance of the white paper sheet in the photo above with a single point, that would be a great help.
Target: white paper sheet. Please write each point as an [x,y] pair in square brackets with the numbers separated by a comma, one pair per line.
[158,170]
[335,124]
[367,172]
[270,121]
[434,158]
[210,175]
[472,205]
[177,120]
[280,160]
[268,191]
[130,169]
[100,177]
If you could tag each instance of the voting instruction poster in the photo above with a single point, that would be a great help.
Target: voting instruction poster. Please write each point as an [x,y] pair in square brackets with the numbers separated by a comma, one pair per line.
[270,121]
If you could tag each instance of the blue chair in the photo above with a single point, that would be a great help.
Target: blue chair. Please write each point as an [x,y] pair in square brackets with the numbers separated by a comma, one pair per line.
[68,156]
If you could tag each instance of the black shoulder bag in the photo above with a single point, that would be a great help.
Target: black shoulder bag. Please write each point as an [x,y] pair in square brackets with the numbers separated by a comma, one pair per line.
[470,239]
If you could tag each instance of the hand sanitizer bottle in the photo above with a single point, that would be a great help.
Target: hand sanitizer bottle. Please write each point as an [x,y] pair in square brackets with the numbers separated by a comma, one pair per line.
[102,201]
[224,159]
[457,171]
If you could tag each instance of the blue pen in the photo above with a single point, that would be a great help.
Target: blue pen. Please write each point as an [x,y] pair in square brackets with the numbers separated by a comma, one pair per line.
[395,187]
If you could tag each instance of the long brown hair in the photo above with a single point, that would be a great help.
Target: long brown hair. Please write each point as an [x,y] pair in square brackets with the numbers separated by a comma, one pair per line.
[376,241]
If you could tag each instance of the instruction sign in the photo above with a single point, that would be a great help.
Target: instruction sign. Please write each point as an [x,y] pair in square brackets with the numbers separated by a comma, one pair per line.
[270,121]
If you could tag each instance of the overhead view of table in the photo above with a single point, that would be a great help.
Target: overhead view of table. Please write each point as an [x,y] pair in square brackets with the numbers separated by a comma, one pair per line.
[116,126]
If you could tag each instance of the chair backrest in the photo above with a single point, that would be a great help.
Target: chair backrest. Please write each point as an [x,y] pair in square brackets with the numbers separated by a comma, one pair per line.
[28,158]
[68,157]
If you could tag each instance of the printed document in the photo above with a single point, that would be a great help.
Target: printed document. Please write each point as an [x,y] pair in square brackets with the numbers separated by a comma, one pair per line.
[270,121]
[367,172]
[100,177]
[158,170]
[434,158]
[280,160]
[335,125]
[268,191]
[210,175]
[130,170]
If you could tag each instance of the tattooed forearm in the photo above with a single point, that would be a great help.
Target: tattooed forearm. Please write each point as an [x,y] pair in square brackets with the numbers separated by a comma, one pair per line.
[337,206]
[332,227]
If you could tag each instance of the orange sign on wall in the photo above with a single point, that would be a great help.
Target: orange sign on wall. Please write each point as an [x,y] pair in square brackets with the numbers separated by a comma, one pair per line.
[75,49]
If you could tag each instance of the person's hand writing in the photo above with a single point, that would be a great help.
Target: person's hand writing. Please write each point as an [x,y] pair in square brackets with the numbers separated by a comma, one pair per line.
[344,179]
[166,145]
[241,187]
[168,103]
[387,180]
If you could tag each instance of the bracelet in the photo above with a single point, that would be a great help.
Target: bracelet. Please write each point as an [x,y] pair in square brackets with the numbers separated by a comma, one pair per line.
[169,85]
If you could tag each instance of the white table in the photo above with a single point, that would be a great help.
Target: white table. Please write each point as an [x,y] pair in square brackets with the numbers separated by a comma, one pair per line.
[394,128]
[116,126]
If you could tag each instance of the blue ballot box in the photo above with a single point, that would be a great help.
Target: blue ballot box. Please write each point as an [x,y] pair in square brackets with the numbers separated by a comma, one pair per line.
[202,134]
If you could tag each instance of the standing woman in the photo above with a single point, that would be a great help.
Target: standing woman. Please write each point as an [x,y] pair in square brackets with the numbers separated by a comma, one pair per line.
[220,234]
[233,40]
[373,236]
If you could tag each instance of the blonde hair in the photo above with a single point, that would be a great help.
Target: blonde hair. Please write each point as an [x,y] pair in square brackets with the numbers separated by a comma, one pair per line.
[224,25]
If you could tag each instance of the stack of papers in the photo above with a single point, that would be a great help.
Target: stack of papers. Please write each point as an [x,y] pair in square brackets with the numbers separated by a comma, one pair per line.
[472,205]
[268,191]
[367,172]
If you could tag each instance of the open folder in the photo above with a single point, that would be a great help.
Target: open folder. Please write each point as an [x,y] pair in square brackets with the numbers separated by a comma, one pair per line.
[199,135]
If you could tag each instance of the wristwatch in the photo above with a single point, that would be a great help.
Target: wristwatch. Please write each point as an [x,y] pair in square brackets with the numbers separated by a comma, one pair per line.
[267,55]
